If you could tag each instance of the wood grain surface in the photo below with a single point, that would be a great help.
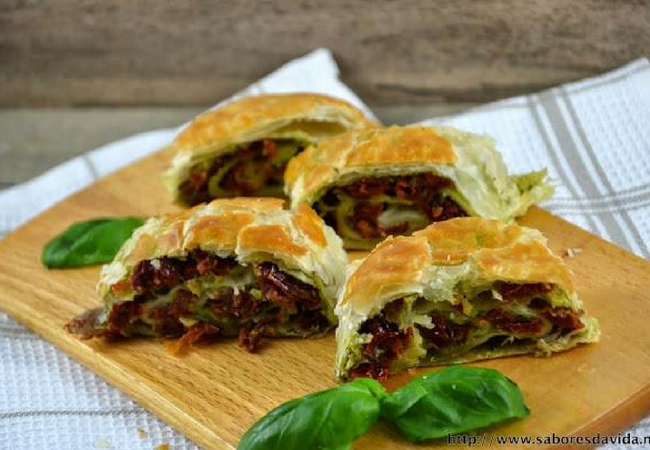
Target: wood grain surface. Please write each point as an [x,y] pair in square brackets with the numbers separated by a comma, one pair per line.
[212,394]
[164,52]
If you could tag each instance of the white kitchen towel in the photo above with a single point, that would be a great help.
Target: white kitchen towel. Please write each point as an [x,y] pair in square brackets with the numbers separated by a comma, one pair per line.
[594,136]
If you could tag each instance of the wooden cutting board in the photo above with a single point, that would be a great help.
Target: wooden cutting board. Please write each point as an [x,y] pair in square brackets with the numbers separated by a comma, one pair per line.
[212,394]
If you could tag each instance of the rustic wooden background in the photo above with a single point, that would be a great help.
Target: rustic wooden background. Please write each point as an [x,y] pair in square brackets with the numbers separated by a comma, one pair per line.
[75,74]
[171,52]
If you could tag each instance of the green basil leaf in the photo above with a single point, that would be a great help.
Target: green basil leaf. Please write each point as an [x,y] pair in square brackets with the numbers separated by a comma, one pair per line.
[454,400]
[326,420]
[86,243]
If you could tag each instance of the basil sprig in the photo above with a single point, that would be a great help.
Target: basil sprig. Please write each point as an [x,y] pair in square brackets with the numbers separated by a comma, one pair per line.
[326,420]
[455,400]
[87,243]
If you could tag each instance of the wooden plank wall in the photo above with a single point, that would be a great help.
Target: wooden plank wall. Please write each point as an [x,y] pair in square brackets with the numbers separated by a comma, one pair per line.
[171,52]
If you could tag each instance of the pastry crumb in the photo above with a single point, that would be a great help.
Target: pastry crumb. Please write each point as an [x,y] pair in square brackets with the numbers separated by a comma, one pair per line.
[102,443]
[142,434]
[164,446]
[572,252]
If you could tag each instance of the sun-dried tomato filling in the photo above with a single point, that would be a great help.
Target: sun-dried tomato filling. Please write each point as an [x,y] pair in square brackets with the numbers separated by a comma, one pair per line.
[387,344]
[254,170]
[450,332]
[371,197]
[275,303]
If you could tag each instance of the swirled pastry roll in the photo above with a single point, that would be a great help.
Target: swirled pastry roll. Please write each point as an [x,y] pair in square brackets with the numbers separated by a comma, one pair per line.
[235,267]
[457,291]
[372,183]
[242,148]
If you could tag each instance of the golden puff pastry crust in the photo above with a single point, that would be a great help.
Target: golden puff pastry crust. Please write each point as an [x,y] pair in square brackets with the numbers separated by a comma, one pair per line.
[222,131]
[248,229]
[477,179]
[240,267]
[462,270]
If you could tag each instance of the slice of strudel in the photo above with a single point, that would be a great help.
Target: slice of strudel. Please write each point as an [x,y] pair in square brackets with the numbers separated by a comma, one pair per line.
[460,290]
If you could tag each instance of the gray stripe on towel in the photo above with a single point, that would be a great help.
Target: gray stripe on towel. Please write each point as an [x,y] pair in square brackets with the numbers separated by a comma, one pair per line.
[570,150]
[603,176]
